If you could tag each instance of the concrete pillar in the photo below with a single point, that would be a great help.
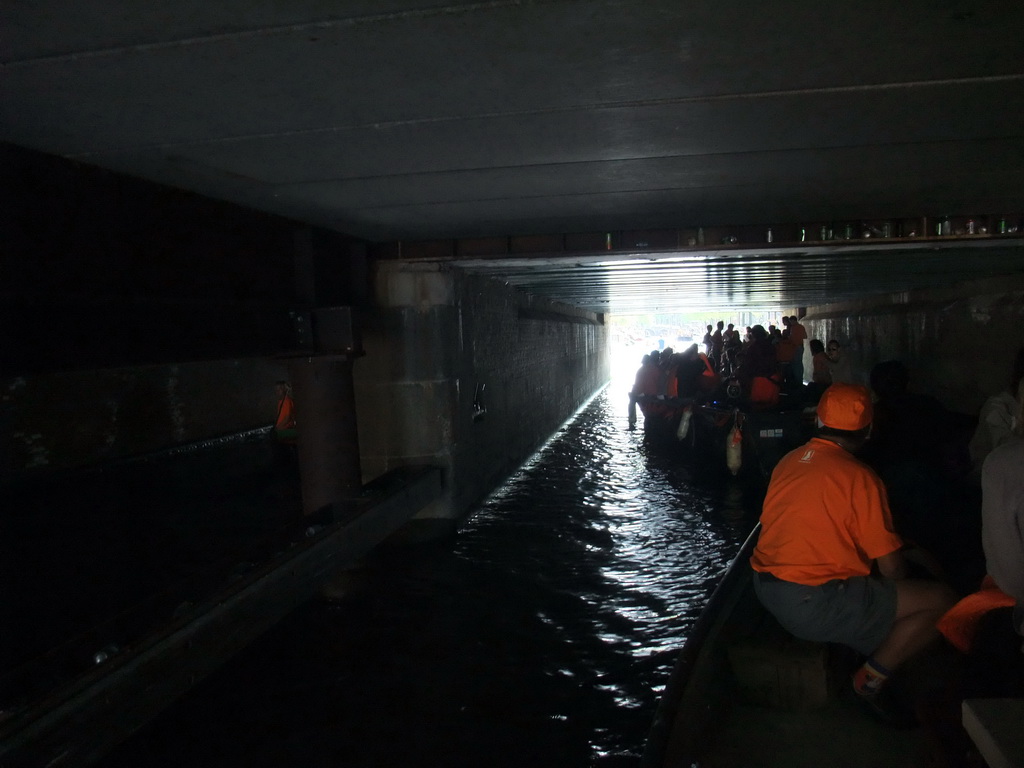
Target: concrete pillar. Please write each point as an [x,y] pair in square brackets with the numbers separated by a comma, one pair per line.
[328,444]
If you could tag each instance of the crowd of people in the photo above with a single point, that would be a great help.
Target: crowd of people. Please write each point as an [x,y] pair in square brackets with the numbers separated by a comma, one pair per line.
[758,366]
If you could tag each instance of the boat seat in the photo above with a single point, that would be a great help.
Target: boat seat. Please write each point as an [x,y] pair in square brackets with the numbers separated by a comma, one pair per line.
[774,669]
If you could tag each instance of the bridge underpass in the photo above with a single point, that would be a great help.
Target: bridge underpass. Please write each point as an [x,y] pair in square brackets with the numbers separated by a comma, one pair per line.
[190,195]
[107,398]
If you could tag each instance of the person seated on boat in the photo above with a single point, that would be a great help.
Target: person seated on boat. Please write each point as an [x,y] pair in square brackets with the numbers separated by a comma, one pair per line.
[731,346]
[785,351]
[650,388]
[1002,533]
[757,373]
[695,375]
[648,376]
[798,335]
[916,451]
[839,363]
[996,421]
[988,625]
[636,390]
[671,368]
[821,372]
[666,361]
[717,345]
[828,564]
[708,342]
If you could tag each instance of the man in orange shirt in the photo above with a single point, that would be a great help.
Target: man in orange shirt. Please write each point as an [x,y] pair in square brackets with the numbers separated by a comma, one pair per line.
[827,562]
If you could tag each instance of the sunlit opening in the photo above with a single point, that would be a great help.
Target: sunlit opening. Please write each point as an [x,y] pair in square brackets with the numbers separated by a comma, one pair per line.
[633,336]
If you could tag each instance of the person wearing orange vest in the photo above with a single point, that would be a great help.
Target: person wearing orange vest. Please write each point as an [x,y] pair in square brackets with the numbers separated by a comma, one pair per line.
[825,530]
[758,372]
[717,345]
[650,386]
[785,351]
[709,380]
[284,424]
[695,374]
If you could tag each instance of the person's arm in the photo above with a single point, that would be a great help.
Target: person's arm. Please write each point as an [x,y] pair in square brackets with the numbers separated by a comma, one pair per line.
[892,566]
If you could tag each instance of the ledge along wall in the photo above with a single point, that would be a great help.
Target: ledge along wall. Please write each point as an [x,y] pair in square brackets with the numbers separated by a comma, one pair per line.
[469,374]
[958,343]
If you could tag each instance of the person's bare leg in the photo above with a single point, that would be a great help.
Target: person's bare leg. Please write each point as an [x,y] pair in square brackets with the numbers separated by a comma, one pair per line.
[919,605]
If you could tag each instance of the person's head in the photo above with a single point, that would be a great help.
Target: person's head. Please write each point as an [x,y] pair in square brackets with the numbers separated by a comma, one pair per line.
[655,356]
[816,346]
[785,321]
[645,360]
[666,353]
[845,413]
[709,328]
[721,324]
[833,347]
[758,333]
[793,319]
[691,352]
[889,379]
[281,387]
[730,326]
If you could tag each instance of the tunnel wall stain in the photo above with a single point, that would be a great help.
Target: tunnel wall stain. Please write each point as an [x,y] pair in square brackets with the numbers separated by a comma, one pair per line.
[468,373]
[957,342]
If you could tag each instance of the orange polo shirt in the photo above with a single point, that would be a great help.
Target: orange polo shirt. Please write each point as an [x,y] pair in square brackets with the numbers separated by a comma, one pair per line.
[825,516]
[798,334]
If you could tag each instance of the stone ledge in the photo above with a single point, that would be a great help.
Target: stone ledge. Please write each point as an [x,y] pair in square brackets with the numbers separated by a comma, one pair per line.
[995,727]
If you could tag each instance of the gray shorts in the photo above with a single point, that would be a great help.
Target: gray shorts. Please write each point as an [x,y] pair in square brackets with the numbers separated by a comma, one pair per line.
[857,612]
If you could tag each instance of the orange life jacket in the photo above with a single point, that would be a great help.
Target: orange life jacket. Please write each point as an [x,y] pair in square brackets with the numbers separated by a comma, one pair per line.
[285,414]
[960,622]
[764,390]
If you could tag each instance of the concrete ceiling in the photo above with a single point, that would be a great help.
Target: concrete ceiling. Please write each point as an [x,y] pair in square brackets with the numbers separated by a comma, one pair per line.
[408,120]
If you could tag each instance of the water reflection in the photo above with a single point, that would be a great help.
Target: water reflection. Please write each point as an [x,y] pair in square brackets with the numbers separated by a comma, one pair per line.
[542,635]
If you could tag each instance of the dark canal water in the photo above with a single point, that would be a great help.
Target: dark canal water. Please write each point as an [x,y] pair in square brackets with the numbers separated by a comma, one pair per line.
[542,635]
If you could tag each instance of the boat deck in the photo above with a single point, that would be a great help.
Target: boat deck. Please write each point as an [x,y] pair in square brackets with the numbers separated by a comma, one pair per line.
[746,694]
[837,735]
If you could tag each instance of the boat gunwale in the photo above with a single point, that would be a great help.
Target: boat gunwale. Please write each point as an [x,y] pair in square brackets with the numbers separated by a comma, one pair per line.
[695,650]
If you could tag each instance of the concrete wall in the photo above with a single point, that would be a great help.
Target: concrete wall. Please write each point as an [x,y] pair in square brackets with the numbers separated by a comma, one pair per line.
[958,342]
[440,339]
[137,317]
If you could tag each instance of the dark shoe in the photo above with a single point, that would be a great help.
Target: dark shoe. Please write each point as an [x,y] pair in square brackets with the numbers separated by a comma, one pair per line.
[885,708]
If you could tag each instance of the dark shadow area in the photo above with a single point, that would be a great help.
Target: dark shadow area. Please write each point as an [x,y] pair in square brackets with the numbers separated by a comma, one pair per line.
[94,560]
